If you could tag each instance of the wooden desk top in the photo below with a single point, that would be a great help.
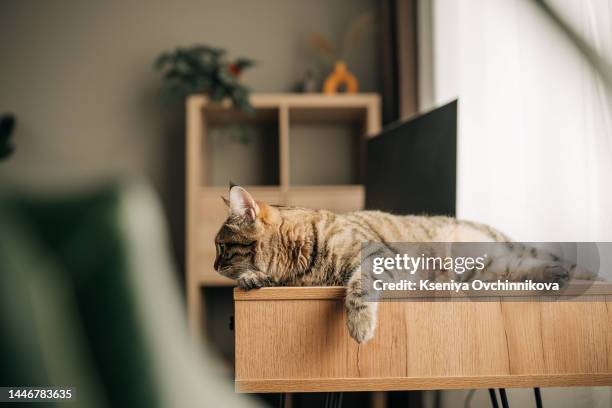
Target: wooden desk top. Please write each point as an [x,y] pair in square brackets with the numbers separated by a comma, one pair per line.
[576,288]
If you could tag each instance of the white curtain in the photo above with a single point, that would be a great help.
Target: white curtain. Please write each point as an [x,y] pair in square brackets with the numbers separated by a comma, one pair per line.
[535,129]
[535,137]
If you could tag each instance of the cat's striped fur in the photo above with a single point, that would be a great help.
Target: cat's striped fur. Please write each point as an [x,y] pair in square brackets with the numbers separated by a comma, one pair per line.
[263,245]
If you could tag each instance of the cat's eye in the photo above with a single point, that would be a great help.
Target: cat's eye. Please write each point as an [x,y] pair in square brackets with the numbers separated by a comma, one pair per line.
[220,248]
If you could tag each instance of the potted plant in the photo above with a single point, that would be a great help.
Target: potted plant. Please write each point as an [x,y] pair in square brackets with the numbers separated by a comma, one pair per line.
[204,69]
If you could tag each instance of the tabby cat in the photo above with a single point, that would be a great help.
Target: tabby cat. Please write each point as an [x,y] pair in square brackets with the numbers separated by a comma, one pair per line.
[263,245]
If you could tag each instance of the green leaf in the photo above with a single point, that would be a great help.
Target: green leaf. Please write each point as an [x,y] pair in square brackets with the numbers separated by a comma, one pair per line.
[7,124]
[162,60]
[6,151]
[218,94]
[243,63]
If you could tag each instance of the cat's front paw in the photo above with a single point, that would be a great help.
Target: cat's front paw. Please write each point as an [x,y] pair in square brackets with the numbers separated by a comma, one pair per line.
[361,323]
[253,280]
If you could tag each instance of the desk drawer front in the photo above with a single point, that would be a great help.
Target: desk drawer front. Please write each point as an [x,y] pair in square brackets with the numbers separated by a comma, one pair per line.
[307,339]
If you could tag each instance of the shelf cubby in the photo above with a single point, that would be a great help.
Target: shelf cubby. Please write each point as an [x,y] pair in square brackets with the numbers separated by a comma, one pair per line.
[323,153]
[241,147]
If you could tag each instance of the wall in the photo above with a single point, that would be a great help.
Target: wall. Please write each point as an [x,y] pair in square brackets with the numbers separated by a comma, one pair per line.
[79,77]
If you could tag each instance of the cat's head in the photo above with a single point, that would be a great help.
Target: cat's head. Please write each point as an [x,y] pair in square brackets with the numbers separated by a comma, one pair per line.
[249,227]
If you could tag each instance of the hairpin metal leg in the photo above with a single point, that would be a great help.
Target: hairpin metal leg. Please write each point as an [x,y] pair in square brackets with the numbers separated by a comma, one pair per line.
[494,402]
[504,397]
[538,397]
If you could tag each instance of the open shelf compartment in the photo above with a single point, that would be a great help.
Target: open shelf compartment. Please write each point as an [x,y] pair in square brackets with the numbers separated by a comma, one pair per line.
[326,145]
[241,147]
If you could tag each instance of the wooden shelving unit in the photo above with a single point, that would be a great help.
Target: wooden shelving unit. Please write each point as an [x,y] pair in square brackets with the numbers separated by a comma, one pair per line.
[296,149]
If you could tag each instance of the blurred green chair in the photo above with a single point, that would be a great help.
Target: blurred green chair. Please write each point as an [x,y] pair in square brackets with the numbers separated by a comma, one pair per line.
[88,299]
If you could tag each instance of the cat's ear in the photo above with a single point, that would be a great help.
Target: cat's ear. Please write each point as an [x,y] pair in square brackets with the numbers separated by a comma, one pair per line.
[226,201]
[241,203]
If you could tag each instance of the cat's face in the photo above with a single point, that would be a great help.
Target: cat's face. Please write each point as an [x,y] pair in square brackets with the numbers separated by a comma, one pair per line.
[248,228]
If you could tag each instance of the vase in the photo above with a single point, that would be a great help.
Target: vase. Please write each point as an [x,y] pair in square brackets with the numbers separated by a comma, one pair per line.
[340,76]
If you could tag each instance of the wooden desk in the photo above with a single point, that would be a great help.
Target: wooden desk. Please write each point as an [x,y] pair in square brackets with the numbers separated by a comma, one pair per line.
[295,340]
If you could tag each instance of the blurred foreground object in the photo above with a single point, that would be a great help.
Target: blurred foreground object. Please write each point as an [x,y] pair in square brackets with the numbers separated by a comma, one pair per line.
[7,124]
[203,69]
[88,299]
